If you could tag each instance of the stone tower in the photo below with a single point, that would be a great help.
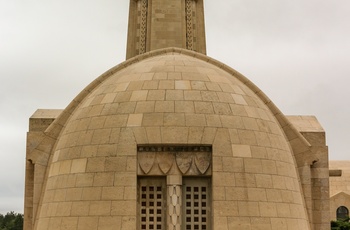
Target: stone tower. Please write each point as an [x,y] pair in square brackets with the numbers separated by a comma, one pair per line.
[172,139]
[157,24]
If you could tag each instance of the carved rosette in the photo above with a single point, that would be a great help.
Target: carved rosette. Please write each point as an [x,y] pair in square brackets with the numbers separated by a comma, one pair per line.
[183,160]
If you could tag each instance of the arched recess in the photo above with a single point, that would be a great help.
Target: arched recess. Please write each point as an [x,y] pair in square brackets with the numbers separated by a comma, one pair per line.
[342,213]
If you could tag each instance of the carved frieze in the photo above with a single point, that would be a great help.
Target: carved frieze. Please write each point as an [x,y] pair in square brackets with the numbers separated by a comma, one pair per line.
[166,160]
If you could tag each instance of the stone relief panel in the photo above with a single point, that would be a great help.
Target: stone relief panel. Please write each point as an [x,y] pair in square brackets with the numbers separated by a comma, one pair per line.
[142,25]
[190,24]
[174,160]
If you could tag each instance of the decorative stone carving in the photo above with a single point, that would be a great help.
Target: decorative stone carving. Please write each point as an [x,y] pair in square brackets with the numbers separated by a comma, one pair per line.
[165,161]
[184,160]
[174,207]
[146,161]
[142,23]
[202,161]
[189,27]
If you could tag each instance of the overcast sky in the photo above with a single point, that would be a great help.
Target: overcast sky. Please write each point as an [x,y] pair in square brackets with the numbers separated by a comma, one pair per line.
[296,51]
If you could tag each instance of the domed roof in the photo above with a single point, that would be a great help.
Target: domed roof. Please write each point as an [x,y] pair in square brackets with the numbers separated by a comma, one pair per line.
[173,96]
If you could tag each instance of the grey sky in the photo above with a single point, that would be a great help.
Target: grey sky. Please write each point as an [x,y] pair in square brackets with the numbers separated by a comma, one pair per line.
[296,51]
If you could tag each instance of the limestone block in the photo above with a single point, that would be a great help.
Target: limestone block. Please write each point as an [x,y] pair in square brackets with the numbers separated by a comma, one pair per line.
[130,193]
[279,224]
[182,85]
[153,119]
[125,179]
[123,208]
[112,193]
[100,208]
[257,194]
[109,223]
[195,135]
[236,193]
[225,209]
[174,76]
[174,134]
[239,223]
[122,86]
[95,110]
[73,194]
[147,85]
[162,75]
[222,108]
[241,151]
[268,209]
[213,120]
[101,136]
[122,97]
[87,223]
[263,181]
[95,164]
[115,121]
[69,223]
[153,134]
[246,180]
[156,95]
[135,120]
[209,96]
[103,179]
[283,210]
[135,85]
[233,122]
[223,179]
[78,165]
[165,106]
[166,84]
[274,195]
[225,97]
[204,107]
[198,85]
[246,208]
[184,107]
[91,193]
[128,222]
[195,120]
[80,208]
[191,95]
[126,107]
[219,193]
[63,208]
[230,164]
[239,99]
[60,195]
[139,95]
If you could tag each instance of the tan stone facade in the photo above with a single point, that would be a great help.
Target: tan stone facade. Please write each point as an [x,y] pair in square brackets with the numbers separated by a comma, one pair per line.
[339,186]
[172,139]
[269,171]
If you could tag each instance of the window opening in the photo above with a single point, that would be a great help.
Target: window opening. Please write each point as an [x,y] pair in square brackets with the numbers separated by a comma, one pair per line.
[152,202]
[342,213]
[174,186]
[196,203]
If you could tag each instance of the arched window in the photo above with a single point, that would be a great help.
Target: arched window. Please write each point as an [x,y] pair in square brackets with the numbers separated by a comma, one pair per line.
[342,213]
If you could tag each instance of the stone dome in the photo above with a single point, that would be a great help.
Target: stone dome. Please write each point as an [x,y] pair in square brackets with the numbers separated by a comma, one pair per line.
[171,97]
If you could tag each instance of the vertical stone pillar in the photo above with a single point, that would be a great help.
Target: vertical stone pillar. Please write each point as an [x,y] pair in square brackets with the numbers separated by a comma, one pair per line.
[174,187]
[158,24]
